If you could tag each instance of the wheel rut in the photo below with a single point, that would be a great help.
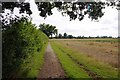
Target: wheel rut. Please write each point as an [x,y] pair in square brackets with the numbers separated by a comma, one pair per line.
[92,74]
[51,67]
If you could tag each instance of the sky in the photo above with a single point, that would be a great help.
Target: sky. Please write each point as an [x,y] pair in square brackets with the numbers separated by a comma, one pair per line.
[107,25]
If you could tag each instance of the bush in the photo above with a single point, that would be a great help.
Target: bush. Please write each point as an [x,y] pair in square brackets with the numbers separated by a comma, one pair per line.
[20,40]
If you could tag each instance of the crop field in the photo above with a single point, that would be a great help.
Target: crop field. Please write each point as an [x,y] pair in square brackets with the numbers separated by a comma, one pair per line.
[87,58]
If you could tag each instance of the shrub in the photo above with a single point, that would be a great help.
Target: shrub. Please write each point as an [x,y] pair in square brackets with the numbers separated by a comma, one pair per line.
[19,42]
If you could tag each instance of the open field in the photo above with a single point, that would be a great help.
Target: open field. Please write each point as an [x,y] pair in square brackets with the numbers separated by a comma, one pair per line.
[95,58]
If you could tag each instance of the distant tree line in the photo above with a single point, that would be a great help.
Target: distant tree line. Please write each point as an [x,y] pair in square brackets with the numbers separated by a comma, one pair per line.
[83,37]
[51,30]
[66,36]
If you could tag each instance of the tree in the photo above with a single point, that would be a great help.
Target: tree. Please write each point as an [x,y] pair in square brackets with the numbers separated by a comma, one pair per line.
[65,35]
[89,36]
[97,37]
[60,36]
[70,36]
[24,7]
[49,30]
[56,32]
[75,10]
[83,37]
[79,37]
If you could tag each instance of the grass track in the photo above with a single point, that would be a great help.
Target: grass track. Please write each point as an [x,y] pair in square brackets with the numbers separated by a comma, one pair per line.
[72,69]
[101,69]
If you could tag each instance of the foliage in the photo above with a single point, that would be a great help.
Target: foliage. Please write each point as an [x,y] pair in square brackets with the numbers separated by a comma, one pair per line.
[70,36]
[33,68]
[20,41]
[60,36]
[65,35]
[24,7]
[75,10]
[49,30]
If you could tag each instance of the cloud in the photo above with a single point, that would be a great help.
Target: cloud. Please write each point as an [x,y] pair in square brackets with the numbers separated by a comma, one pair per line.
[108,24]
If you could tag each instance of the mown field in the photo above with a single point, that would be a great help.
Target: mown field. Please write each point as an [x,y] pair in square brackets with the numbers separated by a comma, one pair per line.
[87,58]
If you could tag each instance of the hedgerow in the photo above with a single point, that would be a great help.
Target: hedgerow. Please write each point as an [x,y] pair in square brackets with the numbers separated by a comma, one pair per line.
[20,41]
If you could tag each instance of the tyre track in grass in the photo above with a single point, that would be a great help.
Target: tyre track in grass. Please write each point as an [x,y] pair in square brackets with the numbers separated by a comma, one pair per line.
[51,68]
[92,74]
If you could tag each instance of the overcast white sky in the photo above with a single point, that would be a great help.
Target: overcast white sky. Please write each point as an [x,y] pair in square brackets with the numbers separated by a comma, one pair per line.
[107,26]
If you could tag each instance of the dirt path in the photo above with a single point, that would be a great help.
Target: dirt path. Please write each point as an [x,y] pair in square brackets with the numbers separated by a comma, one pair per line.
[51,67]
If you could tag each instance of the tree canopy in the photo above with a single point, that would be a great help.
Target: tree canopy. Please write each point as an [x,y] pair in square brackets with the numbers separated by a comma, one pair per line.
[65,35]
[75,10]
[49,30]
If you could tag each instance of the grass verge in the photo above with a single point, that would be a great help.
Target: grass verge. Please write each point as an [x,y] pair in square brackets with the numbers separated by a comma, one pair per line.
[33,67]
[72,69]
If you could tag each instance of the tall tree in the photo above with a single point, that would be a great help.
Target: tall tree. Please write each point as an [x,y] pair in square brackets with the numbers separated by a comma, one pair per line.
[65,35]
[60,36]
[56,32]
[49,30]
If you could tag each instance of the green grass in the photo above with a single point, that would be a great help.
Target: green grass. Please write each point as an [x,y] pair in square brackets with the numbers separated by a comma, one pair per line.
[32,68]
[36,63]
[104,70]
[72,69]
